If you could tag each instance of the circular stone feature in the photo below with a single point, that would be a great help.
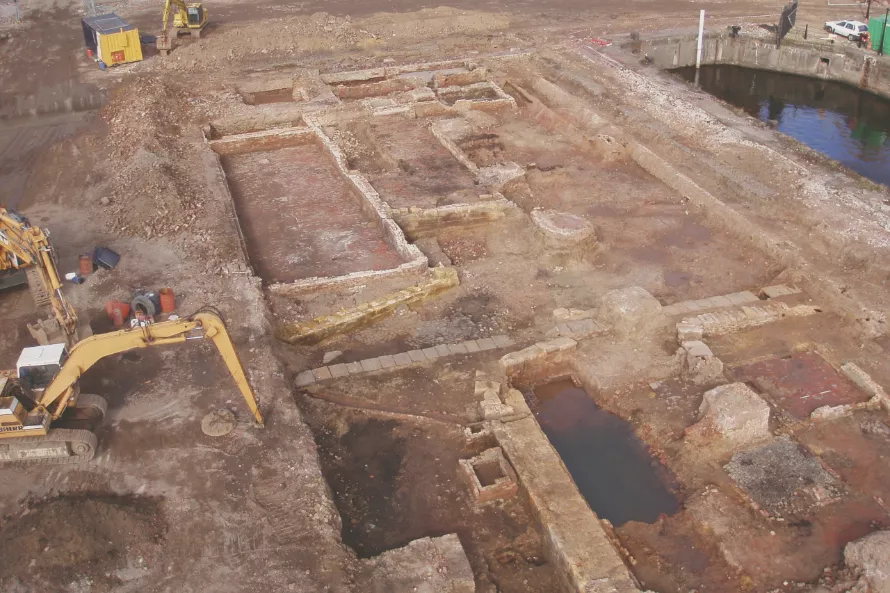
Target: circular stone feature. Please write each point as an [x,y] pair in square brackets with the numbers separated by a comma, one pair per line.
[562,226]
[218,423]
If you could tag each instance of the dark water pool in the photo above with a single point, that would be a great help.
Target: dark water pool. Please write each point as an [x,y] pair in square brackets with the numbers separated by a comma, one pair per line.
[845,123]
[613,468]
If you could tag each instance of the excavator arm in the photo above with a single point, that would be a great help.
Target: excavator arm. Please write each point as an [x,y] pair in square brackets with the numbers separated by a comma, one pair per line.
[170,5]
[181,13]
[190,18]
[23,245]
[203,325]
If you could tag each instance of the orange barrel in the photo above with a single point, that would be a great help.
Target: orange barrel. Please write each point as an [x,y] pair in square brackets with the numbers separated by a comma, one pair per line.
[118,312]
[86,264]
[168,300]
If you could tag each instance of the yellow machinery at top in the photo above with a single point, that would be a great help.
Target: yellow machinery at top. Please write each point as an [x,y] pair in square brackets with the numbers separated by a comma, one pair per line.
[190,19]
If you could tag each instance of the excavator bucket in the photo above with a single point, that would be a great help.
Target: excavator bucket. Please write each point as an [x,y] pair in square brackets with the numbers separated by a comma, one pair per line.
[164,43]
[48,331]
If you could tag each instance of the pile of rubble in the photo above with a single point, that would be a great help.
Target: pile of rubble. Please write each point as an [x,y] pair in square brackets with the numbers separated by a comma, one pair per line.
[144,113]
[152,188]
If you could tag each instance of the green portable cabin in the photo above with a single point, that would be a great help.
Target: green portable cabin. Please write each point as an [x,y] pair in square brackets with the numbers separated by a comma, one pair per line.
[879,34]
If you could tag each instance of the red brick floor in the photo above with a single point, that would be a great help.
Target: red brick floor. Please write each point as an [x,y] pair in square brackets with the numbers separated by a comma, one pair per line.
[299,217]
[801,383]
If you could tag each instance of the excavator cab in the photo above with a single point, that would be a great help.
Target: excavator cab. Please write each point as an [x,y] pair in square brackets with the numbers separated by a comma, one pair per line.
[195,15]
[15,412]
[188,17]
[29,432]
[37,366]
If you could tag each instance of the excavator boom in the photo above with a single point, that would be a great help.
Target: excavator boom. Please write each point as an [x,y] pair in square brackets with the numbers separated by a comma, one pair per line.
[87,352]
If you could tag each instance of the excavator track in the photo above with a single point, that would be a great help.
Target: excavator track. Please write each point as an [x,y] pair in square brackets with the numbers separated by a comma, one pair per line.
[71,441]
[58,446]
[86,414]
[39,290]
[91,401]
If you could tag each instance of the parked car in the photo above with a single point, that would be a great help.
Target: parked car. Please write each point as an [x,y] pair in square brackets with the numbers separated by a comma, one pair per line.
[852,30]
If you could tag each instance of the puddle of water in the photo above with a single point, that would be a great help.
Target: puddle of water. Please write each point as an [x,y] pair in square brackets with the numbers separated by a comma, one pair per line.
[688,234]
[650,255]
[604,210]
[845,123]
[674,279]
[611,466]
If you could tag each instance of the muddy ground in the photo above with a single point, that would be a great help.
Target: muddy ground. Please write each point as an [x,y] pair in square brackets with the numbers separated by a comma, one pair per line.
[395,481]
[346,470]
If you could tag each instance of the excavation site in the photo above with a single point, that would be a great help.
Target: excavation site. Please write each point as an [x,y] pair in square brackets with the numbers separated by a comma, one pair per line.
[407,297]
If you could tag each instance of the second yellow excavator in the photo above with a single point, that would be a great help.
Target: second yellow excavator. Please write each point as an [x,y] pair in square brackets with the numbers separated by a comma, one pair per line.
[44,418]
[190,19]
[26,247]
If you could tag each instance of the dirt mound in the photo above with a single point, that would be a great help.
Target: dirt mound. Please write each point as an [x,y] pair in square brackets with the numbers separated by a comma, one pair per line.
[318,32]
[150,190]
[81,537]
[322,32]
[436,22]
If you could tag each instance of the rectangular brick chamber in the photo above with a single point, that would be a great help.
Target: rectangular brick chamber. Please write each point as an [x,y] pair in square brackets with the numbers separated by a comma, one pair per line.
[490,476]
[426,175]
[478,92]
[299,216]
[282,95]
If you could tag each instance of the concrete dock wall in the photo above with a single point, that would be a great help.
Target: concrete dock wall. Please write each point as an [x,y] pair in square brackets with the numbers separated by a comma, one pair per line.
[840,62]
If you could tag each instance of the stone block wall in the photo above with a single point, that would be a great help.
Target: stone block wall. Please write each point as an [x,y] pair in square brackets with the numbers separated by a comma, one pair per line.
[261,141]
[416,222]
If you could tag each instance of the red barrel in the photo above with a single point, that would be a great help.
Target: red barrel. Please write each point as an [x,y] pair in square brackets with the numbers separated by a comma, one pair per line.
[86,264]
[118,312]
[168,300]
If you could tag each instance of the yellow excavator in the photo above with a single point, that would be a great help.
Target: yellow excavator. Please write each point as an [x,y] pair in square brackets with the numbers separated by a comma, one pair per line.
[45,419]
[25,247]
[190,19]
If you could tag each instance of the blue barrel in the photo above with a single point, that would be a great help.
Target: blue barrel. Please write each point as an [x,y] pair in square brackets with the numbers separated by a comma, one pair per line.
[102,65]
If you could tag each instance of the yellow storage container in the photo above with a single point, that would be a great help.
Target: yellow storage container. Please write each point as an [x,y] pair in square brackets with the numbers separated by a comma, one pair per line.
[112,40]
